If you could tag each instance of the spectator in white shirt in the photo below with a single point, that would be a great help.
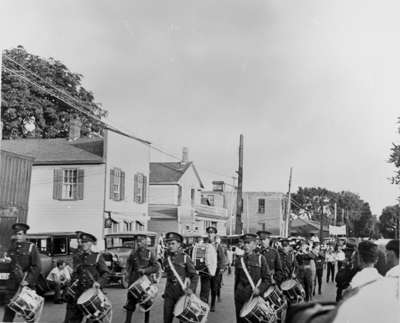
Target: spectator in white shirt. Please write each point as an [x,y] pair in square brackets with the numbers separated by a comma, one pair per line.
[57,279]
[374,298]
[330,264]
[392,258]
[367,257]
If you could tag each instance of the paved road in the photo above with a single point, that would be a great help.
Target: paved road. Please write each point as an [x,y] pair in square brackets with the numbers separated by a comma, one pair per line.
[225,310]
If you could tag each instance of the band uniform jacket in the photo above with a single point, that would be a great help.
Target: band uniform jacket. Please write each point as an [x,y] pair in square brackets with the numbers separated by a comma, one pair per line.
[258,269]
[89,267]
[289,264]
[221,262]
[274,262]
[185,269]
[141,259]
[25,259]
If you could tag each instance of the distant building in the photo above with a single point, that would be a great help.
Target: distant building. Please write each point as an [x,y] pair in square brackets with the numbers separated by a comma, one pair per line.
[176,201]
[88,184]
[261,210]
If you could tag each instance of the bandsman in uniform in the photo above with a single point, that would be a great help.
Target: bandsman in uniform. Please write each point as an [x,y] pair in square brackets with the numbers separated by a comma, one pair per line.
[257,267]
[288,260]
[208,282]
[89,270]
[271,255]
[140,262]
[24,266]
[304,257]
[184,268]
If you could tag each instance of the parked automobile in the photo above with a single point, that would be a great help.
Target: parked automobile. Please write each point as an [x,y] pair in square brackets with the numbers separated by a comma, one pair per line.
[118,247]
[53,246]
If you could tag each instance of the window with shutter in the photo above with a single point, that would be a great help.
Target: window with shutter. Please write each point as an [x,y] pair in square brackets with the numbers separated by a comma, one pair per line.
[140,183]
[135,188]
[117,184]
[68,184]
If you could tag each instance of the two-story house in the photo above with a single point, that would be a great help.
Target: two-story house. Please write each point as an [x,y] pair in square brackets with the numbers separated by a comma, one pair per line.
[98,185]
[175,200]
[261,210]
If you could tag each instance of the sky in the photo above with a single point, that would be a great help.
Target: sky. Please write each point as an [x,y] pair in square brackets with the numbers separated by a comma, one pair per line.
[311,84]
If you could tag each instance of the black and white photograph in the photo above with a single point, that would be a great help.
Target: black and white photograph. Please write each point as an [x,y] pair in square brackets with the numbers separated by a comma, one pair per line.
[200,161]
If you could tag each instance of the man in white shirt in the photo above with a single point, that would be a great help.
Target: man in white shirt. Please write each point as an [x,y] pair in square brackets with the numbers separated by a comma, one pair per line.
[57,279]
[375,299]
[392,258]
[367,257]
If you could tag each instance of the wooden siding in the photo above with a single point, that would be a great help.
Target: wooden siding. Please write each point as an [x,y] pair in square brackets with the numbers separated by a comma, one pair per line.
[132,157]
[163,194]
[15,178]
[47,214]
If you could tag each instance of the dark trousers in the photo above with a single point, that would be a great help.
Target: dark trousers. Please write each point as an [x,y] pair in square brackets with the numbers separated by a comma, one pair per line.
[130,307]
[305,278]
[330,271]
[209,283]
[73,314]
[339,265]
[169,305]
[9,314]
[57,289]
[242,295]
[318,278]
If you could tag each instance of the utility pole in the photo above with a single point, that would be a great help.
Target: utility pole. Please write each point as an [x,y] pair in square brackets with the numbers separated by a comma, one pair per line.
[239,198]
[335,214]
[288,207]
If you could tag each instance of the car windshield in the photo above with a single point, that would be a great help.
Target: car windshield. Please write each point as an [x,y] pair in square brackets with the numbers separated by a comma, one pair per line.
[126,242]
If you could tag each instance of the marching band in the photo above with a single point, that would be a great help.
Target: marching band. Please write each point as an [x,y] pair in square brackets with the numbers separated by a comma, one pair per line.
[267,278]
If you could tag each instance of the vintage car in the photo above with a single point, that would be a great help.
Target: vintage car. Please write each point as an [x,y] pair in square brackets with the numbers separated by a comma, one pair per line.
[118,247]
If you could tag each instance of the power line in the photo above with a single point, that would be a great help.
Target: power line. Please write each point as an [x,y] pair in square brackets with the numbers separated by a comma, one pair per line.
[87,113]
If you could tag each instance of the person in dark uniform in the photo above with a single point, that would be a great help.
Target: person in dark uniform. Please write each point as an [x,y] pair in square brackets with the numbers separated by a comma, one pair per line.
[271,255]
[258,270]
[185,269]
[288,260]
[89,270]
[208,282]
[140,262]
[24,265]
[319,266]
[304,257]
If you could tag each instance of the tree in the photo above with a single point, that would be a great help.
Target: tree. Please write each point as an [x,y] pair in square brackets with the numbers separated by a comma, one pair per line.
[22,100]
[395,160]
[351,209]
[365,223]
[389,222]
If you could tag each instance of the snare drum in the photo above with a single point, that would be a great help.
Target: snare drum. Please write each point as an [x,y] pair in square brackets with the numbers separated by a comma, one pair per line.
[94,304]
[257,310]
[191,309]
[27,304]
[293,290]
[147,303]
[139,287]
[275,298]
[71,292]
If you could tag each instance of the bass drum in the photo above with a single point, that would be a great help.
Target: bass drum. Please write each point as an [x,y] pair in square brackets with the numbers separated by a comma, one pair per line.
[204,257]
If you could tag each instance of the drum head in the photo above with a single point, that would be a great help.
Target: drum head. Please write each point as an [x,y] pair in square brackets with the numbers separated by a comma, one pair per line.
[180,306]
[288,284]
[87,295]
[269,291]
[248,307]
[211,259]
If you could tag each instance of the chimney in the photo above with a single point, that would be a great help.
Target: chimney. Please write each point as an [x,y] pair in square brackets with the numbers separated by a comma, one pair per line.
[75,125]
[185,155]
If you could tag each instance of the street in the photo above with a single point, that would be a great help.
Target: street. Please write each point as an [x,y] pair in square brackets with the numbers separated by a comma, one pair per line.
[225,311]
